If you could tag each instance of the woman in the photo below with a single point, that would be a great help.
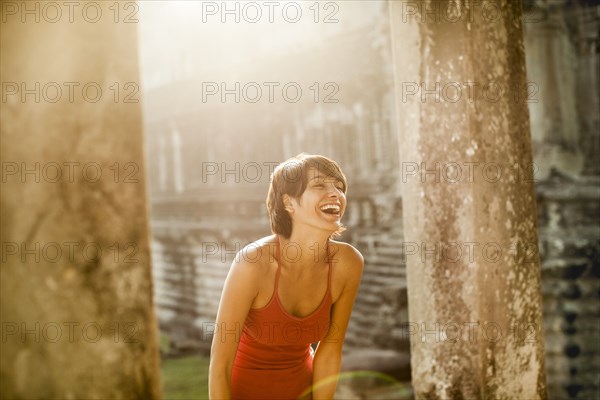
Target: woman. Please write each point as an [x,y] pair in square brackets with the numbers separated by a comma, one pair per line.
[288,290]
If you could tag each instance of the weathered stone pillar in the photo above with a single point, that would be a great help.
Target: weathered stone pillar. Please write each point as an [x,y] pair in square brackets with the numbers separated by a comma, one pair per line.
[552,70]
[76,292]
[473,272]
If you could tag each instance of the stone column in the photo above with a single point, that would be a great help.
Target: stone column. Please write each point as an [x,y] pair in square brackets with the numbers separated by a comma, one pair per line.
[588,86]
[177,159]
[473,272]
[551,61]
[161,154]
[76,308]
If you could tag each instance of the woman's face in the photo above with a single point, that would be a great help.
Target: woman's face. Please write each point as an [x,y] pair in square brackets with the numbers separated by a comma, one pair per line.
[322,204]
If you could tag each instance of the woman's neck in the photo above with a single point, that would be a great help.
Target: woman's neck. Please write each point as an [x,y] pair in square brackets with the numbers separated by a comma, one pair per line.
[304,250]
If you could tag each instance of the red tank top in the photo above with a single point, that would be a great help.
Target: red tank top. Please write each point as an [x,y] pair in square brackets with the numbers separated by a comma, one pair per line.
[274,359]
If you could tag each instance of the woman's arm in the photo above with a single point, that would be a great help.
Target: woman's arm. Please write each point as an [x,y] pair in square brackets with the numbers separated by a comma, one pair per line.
[239,291]
[328,356]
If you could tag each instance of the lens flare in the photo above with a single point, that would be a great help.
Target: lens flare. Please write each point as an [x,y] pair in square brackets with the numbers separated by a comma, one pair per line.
[400,390]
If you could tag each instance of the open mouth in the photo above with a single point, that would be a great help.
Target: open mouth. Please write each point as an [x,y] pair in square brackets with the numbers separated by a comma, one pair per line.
[332,209]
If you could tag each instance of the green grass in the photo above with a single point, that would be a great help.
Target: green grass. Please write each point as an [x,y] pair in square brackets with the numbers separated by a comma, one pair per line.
[164,343]
[185,378]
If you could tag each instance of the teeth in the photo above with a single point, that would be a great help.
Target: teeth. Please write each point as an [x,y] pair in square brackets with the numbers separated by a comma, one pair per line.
[330,206]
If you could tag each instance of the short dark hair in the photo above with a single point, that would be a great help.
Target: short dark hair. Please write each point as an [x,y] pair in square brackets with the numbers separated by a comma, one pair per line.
[291,177]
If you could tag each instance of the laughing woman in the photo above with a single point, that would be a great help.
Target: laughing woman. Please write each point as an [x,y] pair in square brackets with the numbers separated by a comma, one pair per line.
[287,291]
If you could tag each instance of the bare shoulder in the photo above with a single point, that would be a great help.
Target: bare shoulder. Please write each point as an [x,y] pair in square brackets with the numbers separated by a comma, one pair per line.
[256,256]
[348,265]
[350,260]
[248,269]
[347,254]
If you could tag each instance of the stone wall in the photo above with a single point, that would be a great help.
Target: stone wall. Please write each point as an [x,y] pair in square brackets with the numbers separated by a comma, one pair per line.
[568,214]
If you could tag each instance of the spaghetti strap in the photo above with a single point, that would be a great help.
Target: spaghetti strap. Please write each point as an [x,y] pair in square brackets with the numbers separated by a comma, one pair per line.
[278,272]
[329,270]
[277,363]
